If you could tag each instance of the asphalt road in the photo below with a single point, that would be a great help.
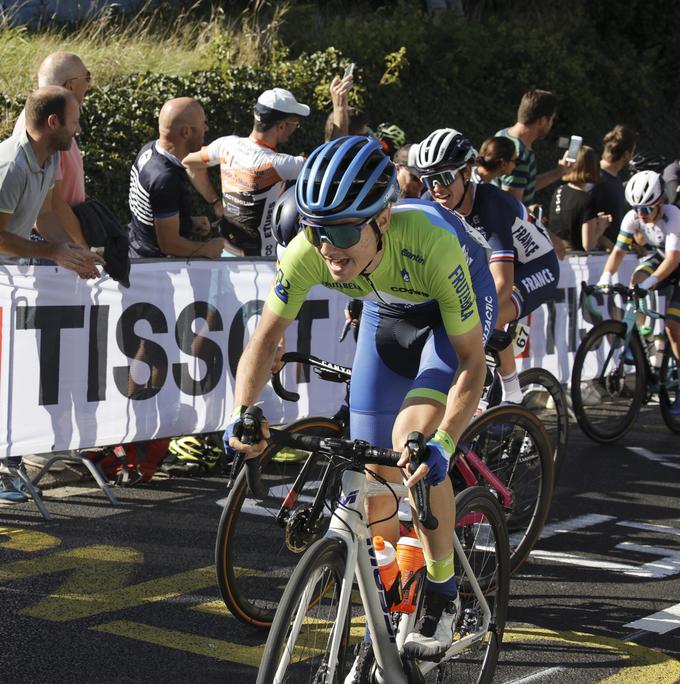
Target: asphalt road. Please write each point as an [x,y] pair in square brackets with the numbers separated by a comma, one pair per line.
[128,594]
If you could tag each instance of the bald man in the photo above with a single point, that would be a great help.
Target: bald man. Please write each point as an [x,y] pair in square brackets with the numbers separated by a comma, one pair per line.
[67,70]
[159,196]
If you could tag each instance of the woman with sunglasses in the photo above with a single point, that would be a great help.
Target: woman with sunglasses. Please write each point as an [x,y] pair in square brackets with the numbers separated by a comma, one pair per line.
[422,326]
[658,225]
[523,262]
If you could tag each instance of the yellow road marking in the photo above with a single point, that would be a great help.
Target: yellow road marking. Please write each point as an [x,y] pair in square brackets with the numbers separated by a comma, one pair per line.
[647,664]
[82,595]
[183,641]
[213,608]
[27,540]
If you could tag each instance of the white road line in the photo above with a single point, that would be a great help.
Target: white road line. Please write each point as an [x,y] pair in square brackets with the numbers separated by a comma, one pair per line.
[536,676]
[663,529]
[572,524]
[670,460]
[572,559]
[661,622]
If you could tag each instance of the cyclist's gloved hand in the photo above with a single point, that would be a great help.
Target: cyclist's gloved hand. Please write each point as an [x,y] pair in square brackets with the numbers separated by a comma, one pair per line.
[234,429]
[605,279]
[439,451]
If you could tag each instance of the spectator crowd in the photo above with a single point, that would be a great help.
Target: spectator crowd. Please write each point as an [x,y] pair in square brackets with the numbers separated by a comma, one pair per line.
[46,214]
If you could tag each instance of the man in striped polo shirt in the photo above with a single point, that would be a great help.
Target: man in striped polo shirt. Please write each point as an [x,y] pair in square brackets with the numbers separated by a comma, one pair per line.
[535,117]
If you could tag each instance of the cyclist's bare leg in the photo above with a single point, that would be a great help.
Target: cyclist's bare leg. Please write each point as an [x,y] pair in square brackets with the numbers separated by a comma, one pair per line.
[423,415]
[673,333]
[506,359]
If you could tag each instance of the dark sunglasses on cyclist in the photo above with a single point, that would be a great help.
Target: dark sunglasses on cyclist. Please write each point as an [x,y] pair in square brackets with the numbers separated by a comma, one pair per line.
[340,236]
[645,211]
[443,178]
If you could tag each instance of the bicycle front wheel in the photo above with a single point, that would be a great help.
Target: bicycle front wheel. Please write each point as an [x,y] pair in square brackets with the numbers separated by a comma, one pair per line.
[251,581]
[670,389]
[545,398]
[481,530]
[299,643]
[514,446]
[608,382]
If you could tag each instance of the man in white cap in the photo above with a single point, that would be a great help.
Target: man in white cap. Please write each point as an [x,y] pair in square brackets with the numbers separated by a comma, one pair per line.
[254,173]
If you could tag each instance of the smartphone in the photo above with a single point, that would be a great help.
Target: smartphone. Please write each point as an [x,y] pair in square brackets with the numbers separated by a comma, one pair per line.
[574,147]
[349,70]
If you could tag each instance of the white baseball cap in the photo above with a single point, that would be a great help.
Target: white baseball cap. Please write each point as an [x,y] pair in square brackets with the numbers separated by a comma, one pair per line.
[278,103]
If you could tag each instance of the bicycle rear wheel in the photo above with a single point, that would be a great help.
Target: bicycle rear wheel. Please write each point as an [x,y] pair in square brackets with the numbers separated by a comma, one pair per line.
[481,530]
[515,447]
[608,382]
[251,582]
[670,389]
[545,398]
[297,650]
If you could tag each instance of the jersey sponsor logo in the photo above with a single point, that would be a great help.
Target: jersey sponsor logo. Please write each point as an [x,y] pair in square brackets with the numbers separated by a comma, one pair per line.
[529,240]
[414,257]
[281,286]
[340,286]
[462,287]
[538,280]
[488,316]
[407,290]
[406,277]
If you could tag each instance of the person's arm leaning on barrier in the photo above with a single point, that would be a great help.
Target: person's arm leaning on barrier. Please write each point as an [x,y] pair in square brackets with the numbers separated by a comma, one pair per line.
[65,254]
[173,244]
[56,206]
[593,229]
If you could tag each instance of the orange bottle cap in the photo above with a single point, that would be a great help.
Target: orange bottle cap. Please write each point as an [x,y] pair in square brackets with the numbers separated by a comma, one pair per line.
[379,543]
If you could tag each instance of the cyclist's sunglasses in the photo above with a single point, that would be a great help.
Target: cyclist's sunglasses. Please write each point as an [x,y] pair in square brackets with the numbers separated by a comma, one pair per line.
[342,236]
[645,211]
[443,178]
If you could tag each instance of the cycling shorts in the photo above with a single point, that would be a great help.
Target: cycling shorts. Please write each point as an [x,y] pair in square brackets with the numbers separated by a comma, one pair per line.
[535,283]
[670,285]
[404,353]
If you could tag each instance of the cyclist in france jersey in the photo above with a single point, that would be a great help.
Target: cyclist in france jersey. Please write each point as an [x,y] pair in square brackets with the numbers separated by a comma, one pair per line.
[659,226]
[410,260]
[523,262]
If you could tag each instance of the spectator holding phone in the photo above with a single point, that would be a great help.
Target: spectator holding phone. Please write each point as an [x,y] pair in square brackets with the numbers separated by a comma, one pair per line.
[573,209]
[535,117]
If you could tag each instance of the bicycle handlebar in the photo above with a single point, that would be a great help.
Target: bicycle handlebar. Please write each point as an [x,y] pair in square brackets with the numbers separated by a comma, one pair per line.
[635,293]
[356,451]
[332,372]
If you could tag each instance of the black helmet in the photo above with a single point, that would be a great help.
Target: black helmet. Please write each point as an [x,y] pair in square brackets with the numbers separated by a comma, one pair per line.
[285,225]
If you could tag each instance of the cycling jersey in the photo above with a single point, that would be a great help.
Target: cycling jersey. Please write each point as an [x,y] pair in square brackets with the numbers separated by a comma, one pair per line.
[253,176]
[663,235]
[431,283]
[423,261]
[670,286]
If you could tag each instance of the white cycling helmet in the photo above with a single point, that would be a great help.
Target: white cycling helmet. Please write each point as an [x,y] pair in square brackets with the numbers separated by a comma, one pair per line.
[644,189]
[445,148]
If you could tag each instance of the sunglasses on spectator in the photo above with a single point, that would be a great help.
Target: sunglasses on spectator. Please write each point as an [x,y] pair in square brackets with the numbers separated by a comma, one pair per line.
[87,77]
[341,236]
[645,211]
[443,178]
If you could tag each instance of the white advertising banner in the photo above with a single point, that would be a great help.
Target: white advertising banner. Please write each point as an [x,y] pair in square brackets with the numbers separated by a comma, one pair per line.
[88,363]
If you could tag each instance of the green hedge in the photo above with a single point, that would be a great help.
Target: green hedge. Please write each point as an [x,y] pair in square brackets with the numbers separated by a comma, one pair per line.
[608,62]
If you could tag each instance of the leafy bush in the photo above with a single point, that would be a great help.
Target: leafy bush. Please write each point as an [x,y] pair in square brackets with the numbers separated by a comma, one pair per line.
[418,70]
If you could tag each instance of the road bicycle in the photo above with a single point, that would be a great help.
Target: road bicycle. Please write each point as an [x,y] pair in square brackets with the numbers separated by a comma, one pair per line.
[506,449]
[320,618]
[613,376]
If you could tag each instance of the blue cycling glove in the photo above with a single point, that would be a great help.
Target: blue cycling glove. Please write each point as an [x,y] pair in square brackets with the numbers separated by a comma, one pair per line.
[234,429]
[440,449]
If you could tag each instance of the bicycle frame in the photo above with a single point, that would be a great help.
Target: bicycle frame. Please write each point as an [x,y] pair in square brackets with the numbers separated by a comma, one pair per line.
[348,524]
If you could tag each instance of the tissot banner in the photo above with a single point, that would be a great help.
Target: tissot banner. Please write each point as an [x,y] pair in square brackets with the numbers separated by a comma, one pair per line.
[87,363]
